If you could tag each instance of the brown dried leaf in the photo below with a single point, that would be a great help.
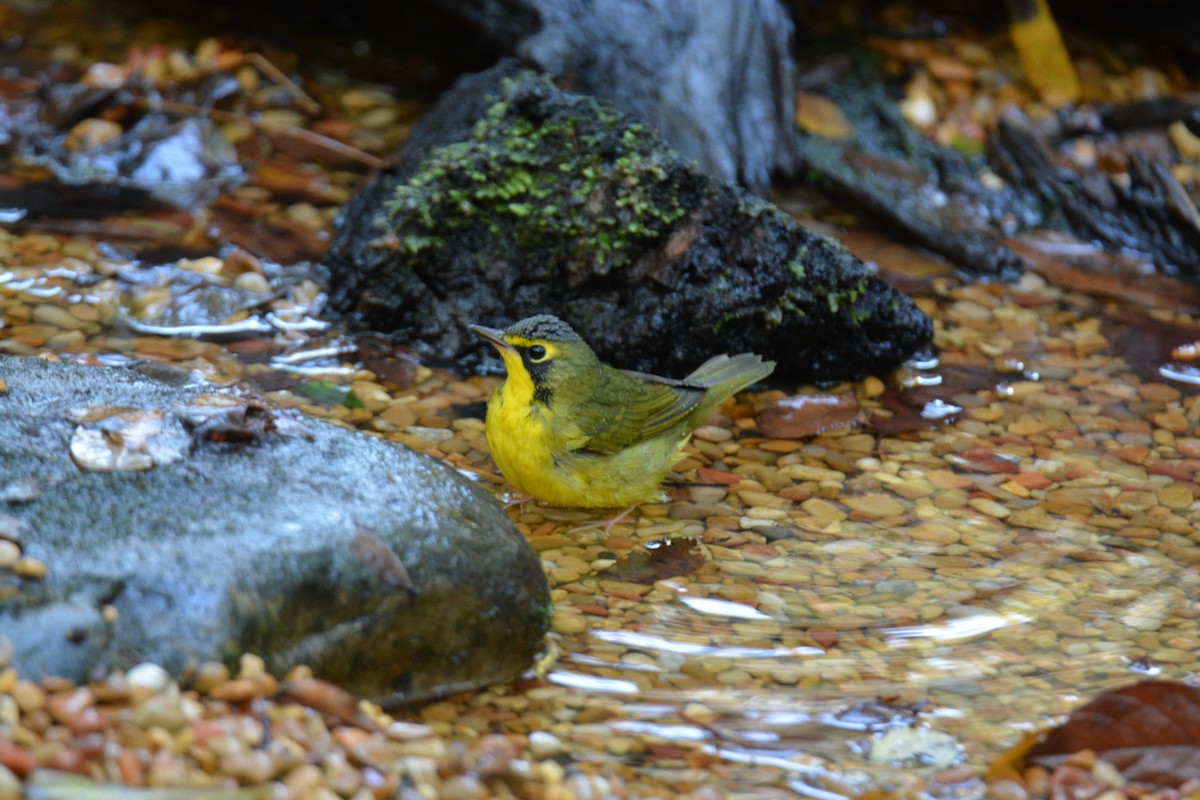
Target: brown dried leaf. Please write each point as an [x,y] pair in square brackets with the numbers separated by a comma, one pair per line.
[820,116]
[1156,350]
[288,180]
[277,240]
[380,560]
[807,414]
[1149,731]
[1082,267]
[925,407]
[662,558]
[323,696]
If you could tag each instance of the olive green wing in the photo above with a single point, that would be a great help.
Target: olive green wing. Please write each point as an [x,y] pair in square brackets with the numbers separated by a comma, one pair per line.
[629,408]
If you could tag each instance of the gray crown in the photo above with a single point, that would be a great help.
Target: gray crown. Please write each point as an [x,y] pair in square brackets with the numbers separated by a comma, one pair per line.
[544,326]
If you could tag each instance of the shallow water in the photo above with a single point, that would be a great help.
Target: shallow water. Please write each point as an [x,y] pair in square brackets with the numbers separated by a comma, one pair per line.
[851,609]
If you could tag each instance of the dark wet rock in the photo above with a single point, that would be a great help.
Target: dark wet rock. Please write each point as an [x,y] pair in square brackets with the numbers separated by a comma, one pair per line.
[516,198]
[713,77]
[894,175]
[247,529]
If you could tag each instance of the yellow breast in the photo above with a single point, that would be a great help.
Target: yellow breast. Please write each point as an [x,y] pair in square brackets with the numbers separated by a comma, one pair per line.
[532,456]
[519,438]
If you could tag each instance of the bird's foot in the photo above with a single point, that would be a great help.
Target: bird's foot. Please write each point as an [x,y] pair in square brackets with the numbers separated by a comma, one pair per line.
[607,525]
[515,499]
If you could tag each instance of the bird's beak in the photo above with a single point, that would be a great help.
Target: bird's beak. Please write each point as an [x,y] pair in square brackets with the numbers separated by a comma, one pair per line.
[493,335]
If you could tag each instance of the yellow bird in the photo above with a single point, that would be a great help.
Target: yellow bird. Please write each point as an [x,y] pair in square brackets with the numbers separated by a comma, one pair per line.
[565,428]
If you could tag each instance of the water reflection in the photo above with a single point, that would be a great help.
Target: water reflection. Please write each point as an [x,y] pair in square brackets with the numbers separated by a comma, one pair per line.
[952,630]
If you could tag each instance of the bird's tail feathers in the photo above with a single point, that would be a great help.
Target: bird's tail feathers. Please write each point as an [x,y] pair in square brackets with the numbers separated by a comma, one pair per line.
[725,375]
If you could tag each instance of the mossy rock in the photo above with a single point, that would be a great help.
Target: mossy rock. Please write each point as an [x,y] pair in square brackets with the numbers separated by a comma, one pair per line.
[515,197]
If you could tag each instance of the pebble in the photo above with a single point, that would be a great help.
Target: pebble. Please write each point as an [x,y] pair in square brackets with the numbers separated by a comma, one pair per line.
[149,676]
[567,623]
[10,554]
[874,505]
[933,533]
[29,568]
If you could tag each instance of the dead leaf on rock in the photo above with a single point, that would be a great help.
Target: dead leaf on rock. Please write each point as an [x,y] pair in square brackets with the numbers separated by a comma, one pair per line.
[225,420]
[381,560]
[96,451]
[126,440]
[804,415]
[1149,731]
[85,414]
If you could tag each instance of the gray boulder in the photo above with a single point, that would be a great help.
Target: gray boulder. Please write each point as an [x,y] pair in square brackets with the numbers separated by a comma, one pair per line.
[213,525]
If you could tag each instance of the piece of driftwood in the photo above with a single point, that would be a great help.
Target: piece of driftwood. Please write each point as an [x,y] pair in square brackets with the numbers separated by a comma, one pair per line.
[713,77]
[1152,215]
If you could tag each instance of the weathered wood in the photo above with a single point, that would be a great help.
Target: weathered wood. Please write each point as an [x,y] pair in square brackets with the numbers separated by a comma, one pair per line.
[713,77]
[1152,216]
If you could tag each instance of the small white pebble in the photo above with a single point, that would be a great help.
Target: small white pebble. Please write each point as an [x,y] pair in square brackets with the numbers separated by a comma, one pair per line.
[149,676]
[544,745]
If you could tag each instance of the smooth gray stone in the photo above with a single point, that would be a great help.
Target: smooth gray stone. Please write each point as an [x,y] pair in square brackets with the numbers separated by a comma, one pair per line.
[383,569]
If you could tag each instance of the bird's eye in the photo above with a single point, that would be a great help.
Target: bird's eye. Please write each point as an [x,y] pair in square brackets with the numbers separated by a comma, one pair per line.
[537,353]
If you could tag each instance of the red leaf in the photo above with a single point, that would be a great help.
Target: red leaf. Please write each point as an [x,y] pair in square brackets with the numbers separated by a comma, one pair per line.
[926,406]
[1149,731]
[806,414]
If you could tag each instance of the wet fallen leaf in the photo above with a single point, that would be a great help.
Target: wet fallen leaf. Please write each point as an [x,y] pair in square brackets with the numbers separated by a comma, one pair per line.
[661,558]
[1085,267]
[381,560]
[1009,765]
[804,415]
[1149,731]
[323,696]
[1156,350]
[933,402]
[277,240]
[289,180]
[820,116]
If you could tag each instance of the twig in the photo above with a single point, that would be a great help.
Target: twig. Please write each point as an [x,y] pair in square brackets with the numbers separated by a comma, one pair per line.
[276,74]
[315,139]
